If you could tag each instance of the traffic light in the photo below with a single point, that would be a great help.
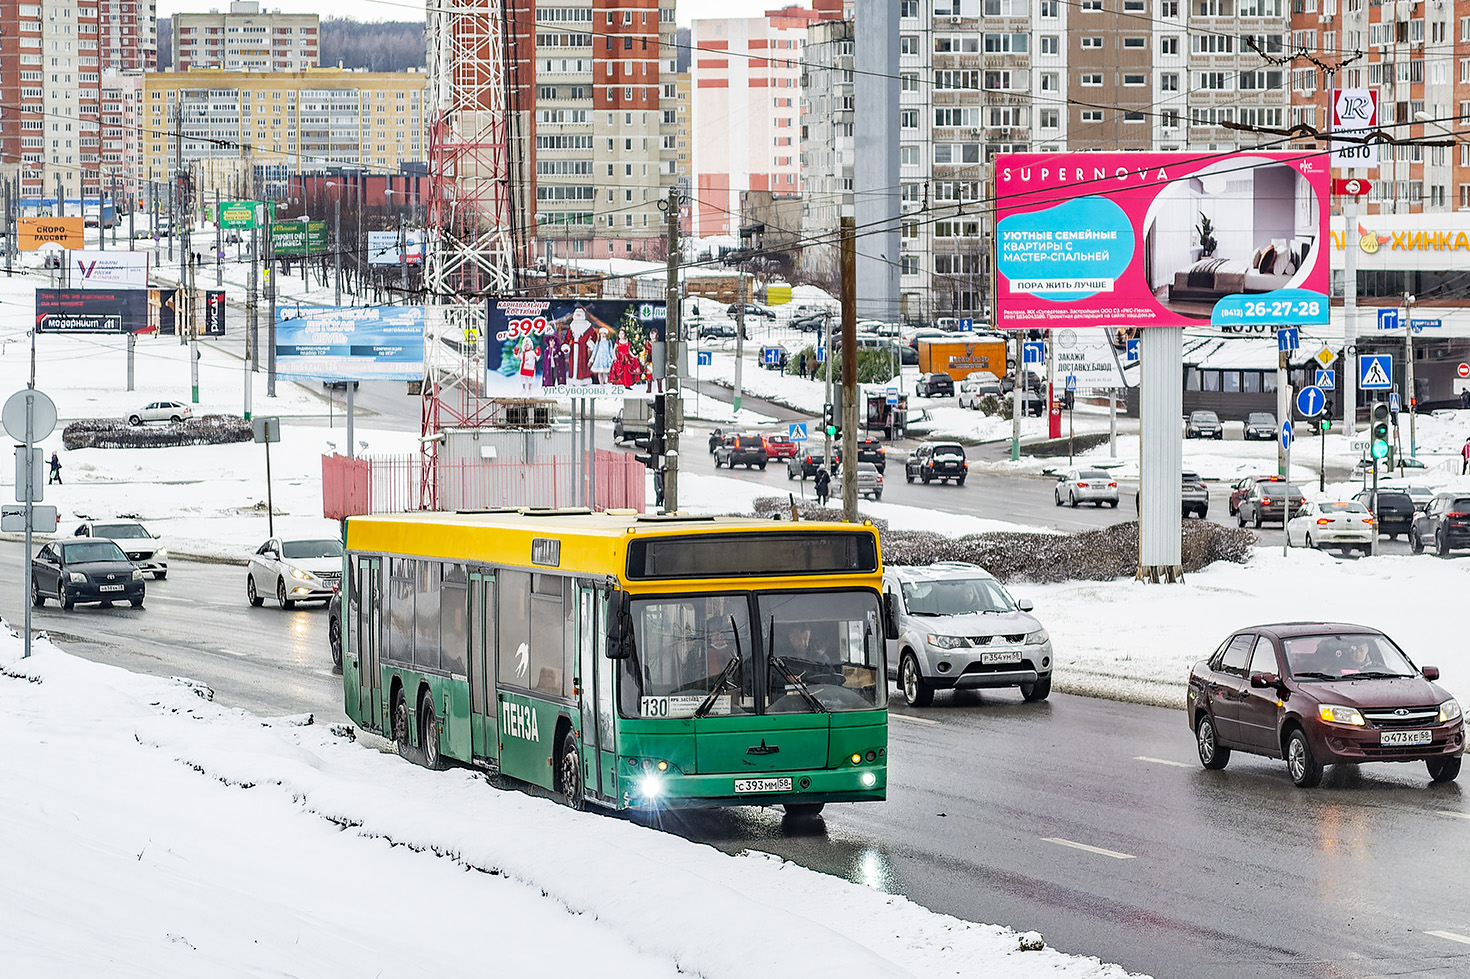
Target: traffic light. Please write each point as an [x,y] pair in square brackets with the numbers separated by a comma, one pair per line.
[657,427]
[829,420]
[1326,424]
[1379,422]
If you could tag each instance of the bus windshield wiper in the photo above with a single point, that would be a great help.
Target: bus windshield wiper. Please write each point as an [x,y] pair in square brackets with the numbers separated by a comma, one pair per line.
[728,673]
[797,681]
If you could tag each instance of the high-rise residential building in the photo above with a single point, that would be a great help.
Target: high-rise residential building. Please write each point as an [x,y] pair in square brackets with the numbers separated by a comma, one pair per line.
[246,39]
[127,32]
[827,145]
[249,129]
[120,98]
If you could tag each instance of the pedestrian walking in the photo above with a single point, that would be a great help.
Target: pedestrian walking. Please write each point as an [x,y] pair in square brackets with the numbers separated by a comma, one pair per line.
[1464,458]
[1465,398]
[55,476]
[801,365]
[823,483]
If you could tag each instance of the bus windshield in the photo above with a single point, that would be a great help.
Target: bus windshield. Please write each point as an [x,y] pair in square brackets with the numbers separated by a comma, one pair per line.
[694,655]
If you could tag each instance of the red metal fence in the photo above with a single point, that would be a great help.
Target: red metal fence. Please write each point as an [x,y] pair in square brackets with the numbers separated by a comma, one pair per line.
[390,484]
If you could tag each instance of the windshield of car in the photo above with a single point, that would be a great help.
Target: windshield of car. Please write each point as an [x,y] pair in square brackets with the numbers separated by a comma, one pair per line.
[306,550]
[1257,418]
[955,596]
[92,550]
[1204,416]
[1333,656]
[120,531]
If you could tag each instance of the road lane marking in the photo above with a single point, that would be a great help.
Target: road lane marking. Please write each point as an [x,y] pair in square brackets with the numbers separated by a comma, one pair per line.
[1163,761]
[1090,849]
[1450,936]
[1457,815]
[916,720]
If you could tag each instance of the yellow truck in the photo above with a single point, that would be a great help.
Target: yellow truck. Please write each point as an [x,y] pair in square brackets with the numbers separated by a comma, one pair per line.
[958,358]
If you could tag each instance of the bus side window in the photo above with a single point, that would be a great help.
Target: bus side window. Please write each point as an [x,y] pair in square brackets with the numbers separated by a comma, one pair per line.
[548,647]
[513,621]
[453,619]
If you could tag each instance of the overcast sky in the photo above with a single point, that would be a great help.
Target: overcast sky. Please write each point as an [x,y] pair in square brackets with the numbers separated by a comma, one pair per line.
[406,10]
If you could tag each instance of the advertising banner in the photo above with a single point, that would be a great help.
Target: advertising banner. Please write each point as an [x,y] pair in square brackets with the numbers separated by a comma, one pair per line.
[572,348]
[350,343]
[1354,113]
[35,232]
[107,270]
[382,247]
[91,310]
[214,312]
[1124,240]
[299,237]
[1090,357]
[240,215]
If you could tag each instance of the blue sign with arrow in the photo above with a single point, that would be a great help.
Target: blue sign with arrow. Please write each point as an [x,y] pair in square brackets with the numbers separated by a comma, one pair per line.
[1132,351]
[1286,435]
[1375,372]
[1388,319]
[1033,353]
[705,358]
[1288,339]
[1310,401]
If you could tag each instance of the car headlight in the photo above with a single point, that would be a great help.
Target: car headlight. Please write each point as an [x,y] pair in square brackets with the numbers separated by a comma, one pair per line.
[298,573]
[1037,638]
[77,578]
[160,554]
[1449,710]
[1334,714]
[948,642]
[137,575]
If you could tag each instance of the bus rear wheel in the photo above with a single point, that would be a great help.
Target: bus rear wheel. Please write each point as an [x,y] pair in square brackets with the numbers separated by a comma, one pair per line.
[429,735]
[803,810]
[569,773]
[398,718]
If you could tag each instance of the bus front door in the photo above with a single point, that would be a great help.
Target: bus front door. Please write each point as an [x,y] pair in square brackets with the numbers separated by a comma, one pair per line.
[595,683]
[484,722]
[367,633]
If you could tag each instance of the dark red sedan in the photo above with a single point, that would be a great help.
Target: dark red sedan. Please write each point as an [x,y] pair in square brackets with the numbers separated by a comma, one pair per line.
[1318,694]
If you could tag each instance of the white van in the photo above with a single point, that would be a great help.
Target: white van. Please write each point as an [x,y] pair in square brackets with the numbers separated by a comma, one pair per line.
[951,625]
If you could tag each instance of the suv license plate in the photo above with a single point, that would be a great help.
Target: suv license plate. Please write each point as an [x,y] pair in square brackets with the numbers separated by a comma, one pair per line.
[109,587]
[1406,737]
[743,785]
[990,659]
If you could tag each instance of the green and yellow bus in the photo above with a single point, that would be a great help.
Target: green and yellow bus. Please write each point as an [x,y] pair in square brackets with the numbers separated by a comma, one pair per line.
[621,660]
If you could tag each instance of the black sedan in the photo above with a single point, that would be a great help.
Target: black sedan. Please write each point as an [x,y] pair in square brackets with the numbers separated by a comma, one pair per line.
[1444,524]
[1395,511]
[935,385]
[87,571]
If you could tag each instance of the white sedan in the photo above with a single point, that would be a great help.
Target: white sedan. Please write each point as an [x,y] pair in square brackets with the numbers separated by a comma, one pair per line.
[161,411]
[1331,523]
[1086,486]
[295,571]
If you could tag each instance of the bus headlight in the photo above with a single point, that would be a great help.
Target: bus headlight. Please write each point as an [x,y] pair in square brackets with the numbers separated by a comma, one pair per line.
[868,779]
[650,786]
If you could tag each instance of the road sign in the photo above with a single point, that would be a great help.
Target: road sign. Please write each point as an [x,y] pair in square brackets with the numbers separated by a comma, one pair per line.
[1033,353]
[1326,379]
[1354,115]
[1393,401]
[706,358]
[967,323]
[1132,351]
[1288,339]
[13,518]
[1388,319]
[771,355]
[1463,370]
[1071,382]
[43,415]
[821,355]
[1352,186]
[1375,372]
[1325,356]
[1310,401]
[796,431]
[267,429]
[1286,435]
[893,396]
[1360,445]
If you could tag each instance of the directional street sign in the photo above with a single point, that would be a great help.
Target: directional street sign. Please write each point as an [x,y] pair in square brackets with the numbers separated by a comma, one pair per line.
[796,431]
[1393,401]
[1132,351]
[967,324]
[1325,356]
[893,396]
[1388,319]
[1326,379]
[1310,401]
[771,355]
[1352,186]
[1286,435]
[706,358]
[1375,372]
[1033,353]
[821,355]
[1289,339]
[1071,382]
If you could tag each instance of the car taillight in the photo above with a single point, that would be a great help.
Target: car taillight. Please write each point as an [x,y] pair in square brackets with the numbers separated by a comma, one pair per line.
[1265,501]
[1082,486]
[1456,513]
[1323,520]
[1112,486]
[1367,520]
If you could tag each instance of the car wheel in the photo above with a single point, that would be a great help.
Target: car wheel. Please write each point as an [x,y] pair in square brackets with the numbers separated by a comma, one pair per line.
[136,602]
[1441,544]
[1204,513]
[960,481]
[925,478]
[789,474]
[1416,543]
[255,598]
[916,690]
[1305,770]
[717,462]
[909,478]
[763,467]
[281,598]
[63,599]
[160,575]
[1212,754]
[37,599]
[398,723]
[134,420]
[1113,504]
[877,496]
[429,735]
[803,810]
[1443,769]
[569,773]
[334,639]
[1072,500]
[174,419]
[1057,496]
[1309,539]
[1240,518]
[1039,690]
[1257,520]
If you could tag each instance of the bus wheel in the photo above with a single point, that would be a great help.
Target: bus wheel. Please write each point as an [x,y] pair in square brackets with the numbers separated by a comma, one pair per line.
[803,810]
[569,773]
[399,720]
[429,735]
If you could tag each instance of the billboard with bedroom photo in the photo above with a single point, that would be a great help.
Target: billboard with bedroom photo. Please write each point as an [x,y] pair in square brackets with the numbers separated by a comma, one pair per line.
[1125,240]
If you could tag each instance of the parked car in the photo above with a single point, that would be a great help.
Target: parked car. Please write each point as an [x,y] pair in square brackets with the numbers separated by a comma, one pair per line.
[937,460]
[1269,501]
[978,385]
[934,385]
[1318,693]
[751,309]
[871,450]
[1194,495]
[779,446]
[161,411]
[141,547]
[1260,425]
[809,322]
[1030,381]
[1395,511]
[1076,486]
[1241,487]
[1203,425]
[87,571]
[294,571]
[334,629]
[1443,525]
[716,331]
[1332,523]
[869,481]
[952,625]
[741,450]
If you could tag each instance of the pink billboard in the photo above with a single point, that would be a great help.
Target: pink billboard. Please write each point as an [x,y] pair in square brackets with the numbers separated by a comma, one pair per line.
[1161,239]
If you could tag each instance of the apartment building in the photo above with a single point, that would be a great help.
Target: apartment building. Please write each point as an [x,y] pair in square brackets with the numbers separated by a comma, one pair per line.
[244,126]
[246,39]
[120,97]
[827,144]
[127,33]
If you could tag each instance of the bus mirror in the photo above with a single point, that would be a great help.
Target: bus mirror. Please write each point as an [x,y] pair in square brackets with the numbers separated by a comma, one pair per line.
[619,626]
[890,616]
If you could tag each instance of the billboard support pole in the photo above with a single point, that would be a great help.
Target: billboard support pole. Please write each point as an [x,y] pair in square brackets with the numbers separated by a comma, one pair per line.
[132,346]
[270,295]
[1283,408]
[337,254]
[1161,454]
[1016,399]
[219,246]
[351,452]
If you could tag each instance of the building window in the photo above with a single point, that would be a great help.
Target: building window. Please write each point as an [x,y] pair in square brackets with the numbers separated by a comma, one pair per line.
[1092,80]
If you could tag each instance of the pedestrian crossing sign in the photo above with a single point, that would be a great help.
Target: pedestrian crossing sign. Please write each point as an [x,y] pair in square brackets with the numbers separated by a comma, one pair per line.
[1375,372]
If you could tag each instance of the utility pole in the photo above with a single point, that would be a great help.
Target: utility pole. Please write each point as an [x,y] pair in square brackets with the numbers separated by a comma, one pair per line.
[739,333]
[132,211]
[402,260]
[219,245]
[336,255]
[252,336]
[1409,399]
[60,197]
[827,401]
[849,371]
[186,210]
[270,295]
[673,346]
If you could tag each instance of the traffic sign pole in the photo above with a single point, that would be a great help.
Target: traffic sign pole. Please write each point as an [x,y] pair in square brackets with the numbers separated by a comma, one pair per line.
[1286,502]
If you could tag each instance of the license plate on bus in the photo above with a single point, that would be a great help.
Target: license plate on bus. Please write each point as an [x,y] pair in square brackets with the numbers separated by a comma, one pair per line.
[743,785]
[993,659]
[1406,737]
[109,587]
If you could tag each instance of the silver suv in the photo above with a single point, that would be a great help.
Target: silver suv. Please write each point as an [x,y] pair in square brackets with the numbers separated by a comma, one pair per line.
[952,625]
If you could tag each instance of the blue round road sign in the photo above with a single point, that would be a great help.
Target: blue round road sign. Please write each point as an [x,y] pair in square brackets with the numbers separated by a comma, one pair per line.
[1286,435]
[1310,401]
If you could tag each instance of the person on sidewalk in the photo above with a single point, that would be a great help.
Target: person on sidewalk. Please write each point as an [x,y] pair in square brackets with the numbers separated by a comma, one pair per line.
[55,476]
[823,483]
[1464,458]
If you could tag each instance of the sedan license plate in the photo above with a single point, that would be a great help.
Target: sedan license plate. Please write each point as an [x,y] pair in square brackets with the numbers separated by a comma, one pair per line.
[1406,737]
[109,587]
[991,659]
[743,785]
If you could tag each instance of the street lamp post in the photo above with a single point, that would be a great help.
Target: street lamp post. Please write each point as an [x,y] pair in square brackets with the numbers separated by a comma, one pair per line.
[1411,402]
